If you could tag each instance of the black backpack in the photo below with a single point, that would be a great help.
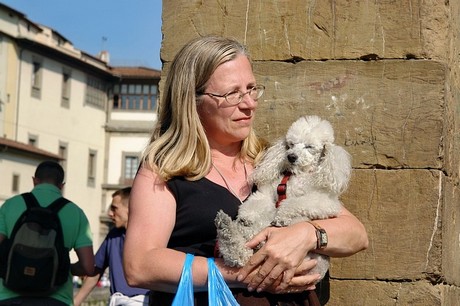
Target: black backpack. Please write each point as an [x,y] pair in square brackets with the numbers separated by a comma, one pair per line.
[34,260]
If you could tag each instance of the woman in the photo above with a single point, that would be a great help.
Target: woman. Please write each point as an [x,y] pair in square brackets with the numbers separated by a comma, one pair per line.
[198,161]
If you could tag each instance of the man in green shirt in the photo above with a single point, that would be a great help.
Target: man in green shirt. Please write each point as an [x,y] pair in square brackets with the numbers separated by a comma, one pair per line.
[48,183]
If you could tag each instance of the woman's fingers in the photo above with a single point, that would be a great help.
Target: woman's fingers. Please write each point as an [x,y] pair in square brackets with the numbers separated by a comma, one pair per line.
[295,277]
[301,282]
[282,257]
[259,238]
[253,264]
[274,269]
[268,273]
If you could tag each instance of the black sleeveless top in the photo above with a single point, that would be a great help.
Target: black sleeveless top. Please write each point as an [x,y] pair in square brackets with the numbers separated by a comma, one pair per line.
[197,204]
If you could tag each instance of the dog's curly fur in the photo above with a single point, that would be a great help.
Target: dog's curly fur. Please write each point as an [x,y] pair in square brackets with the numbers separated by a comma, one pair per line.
[320,171]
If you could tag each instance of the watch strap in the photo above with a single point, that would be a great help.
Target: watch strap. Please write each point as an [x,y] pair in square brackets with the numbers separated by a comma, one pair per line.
[321,236]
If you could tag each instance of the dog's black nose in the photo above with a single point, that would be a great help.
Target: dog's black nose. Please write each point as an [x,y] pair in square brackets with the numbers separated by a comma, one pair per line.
[292,158]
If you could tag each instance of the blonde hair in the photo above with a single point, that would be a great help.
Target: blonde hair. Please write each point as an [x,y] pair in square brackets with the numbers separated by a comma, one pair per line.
[178,145]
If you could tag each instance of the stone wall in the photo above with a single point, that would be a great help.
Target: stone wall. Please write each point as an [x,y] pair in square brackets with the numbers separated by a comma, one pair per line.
[386,74]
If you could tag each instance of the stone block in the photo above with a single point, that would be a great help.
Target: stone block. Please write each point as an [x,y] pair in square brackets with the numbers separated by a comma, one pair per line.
[451,232]
[450,295]
[375,293]
[307,29]
[401,210]
[388,114]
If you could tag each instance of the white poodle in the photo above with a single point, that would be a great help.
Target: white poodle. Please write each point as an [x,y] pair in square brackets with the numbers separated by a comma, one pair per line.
[320,171]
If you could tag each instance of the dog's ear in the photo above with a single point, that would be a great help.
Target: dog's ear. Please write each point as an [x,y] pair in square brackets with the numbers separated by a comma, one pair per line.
[271,164]
[334,169]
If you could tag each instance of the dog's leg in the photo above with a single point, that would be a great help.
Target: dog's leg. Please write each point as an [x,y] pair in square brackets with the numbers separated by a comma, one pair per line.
[231,241]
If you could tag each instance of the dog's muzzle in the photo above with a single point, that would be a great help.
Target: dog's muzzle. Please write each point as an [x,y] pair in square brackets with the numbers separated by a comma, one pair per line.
[292,158]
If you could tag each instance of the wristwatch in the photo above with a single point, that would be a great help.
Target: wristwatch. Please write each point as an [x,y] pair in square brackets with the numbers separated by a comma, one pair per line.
[321,236]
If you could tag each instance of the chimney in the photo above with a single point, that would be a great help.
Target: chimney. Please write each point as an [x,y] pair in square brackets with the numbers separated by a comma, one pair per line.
[104,56]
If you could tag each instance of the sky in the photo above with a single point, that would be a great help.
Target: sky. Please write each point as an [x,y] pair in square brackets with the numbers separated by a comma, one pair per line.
[130,30]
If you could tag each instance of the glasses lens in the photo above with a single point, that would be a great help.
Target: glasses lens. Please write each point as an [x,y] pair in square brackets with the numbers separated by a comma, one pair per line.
[236,97]
[233,98]
[257,92]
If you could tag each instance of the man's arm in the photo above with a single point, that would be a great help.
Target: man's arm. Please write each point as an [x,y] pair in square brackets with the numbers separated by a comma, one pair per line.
[85,264]
[88,285]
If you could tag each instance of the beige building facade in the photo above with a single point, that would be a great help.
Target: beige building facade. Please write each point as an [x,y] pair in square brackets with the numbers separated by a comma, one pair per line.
[58,102]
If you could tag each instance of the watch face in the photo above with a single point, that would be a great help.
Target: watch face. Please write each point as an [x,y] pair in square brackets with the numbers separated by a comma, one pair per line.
[322,238]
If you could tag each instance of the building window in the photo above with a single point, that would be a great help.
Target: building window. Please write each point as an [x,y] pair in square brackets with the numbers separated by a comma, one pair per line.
[63,152]
[92,168]
[36,78]
[15,184]
[130,166]
[66,77]
[32,140]
[95,92]
[135,96]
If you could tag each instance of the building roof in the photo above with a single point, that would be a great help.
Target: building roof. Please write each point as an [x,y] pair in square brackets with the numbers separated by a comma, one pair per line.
[20,16]
[8,144]
[136,72]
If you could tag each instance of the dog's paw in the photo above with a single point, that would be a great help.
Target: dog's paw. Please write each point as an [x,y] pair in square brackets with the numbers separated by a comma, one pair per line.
[238,258]
[245,222]
[277,222]
[222,220]
[233,263]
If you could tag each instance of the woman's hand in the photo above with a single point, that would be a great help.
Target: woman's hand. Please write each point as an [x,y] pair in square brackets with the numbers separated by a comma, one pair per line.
[301,281]
[285,248]
[280,258]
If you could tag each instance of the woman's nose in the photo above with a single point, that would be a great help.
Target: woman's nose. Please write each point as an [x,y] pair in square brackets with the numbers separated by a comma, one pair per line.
[248,102]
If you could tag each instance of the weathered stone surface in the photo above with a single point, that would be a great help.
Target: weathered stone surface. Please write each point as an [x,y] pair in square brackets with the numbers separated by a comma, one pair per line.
[285,30]
[450,295]
[401,210]
[450,232]
[386,113]
[398,115]
[375,293]
[452,123]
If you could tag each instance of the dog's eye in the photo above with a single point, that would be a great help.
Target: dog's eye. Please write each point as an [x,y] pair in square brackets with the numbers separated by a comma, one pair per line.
[288,145]
[308,147]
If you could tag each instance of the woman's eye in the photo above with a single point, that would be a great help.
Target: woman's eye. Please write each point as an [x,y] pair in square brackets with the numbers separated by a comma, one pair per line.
[232,94]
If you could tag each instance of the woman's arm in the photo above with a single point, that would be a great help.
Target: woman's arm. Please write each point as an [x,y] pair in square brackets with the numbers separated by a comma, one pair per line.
[147,261]
[286,248]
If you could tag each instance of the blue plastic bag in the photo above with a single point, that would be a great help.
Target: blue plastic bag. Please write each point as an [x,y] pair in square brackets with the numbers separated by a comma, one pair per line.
[218,292]
[184,294]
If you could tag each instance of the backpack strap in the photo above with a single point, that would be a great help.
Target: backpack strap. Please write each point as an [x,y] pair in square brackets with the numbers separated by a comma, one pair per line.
[30,199]
[58,204]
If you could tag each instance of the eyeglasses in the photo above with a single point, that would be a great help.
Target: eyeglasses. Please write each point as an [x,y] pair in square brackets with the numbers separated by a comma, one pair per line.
[235,97]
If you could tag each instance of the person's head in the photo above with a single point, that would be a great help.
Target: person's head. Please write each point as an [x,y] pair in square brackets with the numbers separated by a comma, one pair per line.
[118,210]
[192,115]
[49,172]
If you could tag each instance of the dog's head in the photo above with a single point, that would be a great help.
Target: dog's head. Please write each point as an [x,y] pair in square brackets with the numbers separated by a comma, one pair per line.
[306,142]
[308,147]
